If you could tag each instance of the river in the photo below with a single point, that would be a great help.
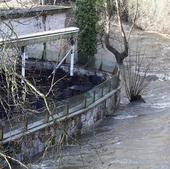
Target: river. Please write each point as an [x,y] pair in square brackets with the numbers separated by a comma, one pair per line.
[138,135]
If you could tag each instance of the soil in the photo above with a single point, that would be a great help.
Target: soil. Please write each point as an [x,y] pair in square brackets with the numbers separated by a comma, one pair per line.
[65,87]
[137,98]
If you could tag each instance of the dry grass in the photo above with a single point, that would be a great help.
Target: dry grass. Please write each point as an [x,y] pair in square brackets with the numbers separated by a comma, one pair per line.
[135,73]
[17,4]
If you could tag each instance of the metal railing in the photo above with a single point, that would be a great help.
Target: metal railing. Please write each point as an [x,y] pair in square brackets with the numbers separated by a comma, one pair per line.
[61,109]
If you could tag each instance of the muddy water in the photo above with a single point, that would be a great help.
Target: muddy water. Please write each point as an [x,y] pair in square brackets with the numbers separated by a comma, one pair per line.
[138,135]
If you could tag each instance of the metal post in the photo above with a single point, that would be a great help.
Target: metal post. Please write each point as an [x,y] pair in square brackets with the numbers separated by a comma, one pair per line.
[85,101]
[110,85]
[94,96]
[1,132]
[23,63]
[46,117]
[25,122]
[72,56]
[102,90]
[67,108]
[23,56]
[42,2]
[105,104]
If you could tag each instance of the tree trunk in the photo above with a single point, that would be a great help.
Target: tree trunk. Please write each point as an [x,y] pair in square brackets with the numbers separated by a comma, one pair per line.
[120,56]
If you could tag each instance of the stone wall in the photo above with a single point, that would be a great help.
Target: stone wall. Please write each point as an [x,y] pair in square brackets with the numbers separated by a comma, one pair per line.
[71,117]
[153,15]
[64,132]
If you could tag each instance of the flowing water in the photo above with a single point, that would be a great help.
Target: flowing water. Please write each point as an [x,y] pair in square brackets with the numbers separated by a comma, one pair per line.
[138,135]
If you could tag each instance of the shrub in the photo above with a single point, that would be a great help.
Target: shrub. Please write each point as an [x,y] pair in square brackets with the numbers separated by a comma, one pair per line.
[86,20]
[134,72]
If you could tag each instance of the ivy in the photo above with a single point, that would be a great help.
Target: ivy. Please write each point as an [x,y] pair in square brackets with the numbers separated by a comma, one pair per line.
[86,20]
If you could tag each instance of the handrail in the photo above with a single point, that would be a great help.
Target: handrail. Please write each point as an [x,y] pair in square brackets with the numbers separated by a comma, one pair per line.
[62,60]
[40,37]
[67,108]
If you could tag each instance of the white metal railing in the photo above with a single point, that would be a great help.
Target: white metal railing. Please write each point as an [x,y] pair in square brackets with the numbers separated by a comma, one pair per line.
[40,37]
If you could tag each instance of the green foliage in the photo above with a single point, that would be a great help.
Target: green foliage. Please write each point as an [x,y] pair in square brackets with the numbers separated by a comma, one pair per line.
[86,19]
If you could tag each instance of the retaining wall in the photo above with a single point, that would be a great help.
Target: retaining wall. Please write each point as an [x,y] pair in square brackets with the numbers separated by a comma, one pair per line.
[74,117]
[20,22]
[69,128]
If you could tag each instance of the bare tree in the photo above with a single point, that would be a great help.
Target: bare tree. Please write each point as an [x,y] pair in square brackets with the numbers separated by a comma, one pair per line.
[134,82]
[19,95]
[109,7]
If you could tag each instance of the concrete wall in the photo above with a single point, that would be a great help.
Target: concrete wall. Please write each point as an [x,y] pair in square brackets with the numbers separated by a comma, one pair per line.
[153,15]
[28,25]
[37,22]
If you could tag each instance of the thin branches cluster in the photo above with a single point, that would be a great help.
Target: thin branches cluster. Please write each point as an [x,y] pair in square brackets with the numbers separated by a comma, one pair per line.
[134,74]
[22,98]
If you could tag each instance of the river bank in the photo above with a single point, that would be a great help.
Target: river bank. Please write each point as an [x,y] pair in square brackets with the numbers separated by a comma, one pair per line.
[137,136]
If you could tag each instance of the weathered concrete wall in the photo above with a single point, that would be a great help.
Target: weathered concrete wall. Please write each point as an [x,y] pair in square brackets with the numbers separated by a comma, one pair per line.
[37,21]
[153,15]
[28,25]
